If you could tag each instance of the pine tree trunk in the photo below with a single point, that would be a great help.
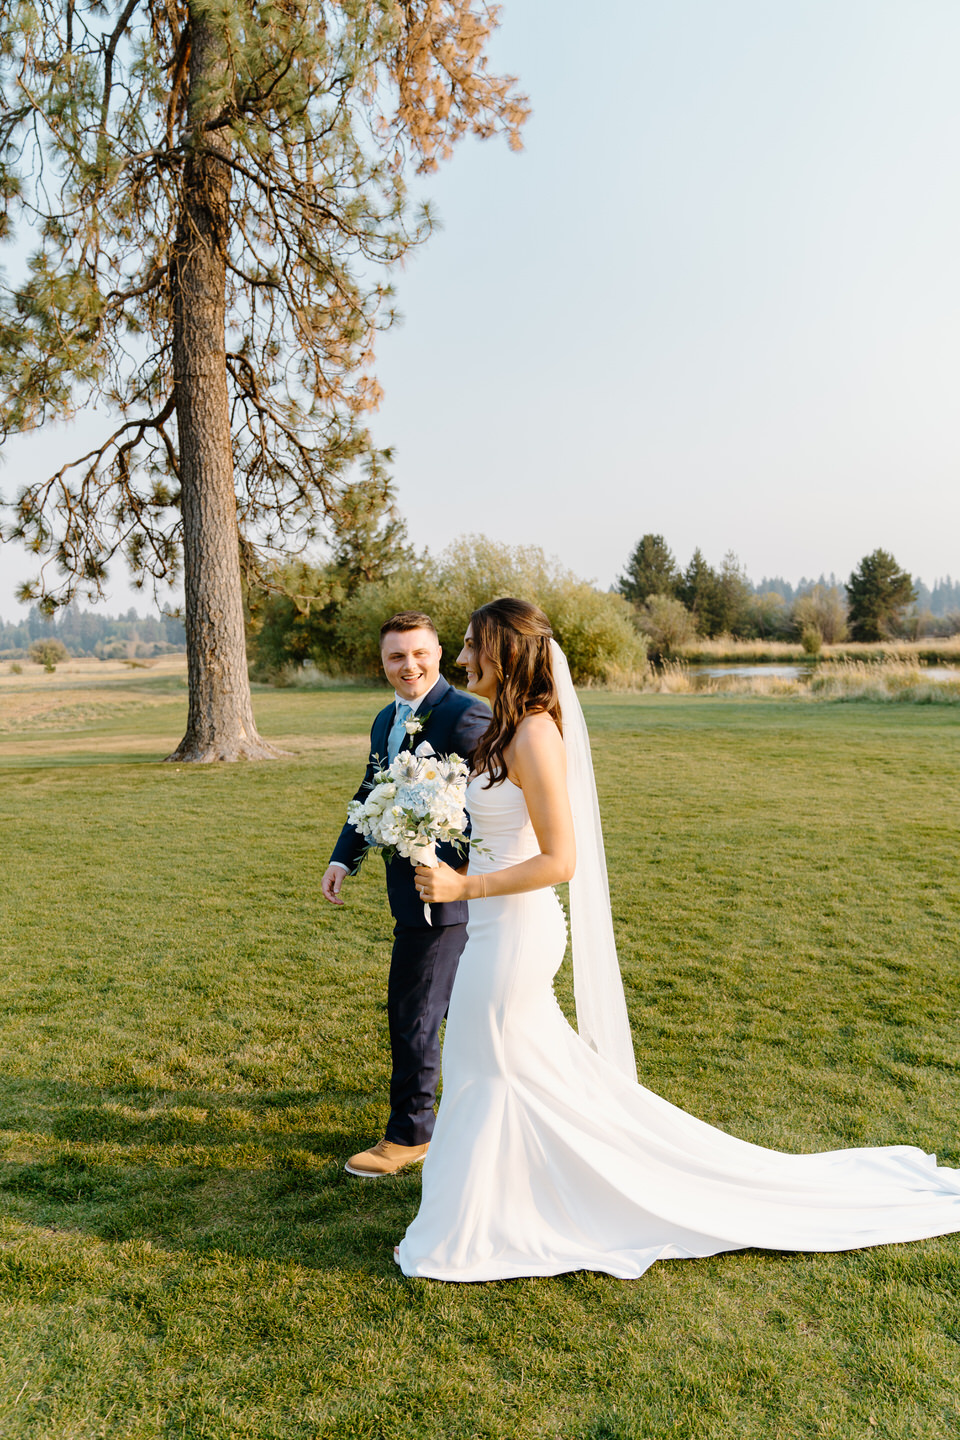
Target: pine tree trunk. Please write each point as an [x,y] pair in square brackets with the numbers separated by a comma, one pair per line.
[220,725]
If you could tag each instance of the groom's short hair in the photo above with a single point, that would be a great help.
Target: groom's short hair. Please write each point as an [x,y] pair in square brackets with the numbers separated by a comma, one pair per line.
[408,620]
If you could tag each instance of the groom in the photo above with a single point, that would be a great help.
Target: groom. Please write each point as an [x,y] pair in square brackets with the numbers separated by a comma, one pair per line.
[427,715]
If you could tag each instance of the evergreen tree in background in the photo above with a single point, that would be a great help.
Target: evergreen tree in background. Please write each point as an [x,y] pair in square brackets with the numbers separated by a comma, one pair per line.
[651,570]
[369,538]
[877,590]
[700,592]
[213,189]
[292,616]
[776,585]
[93,633]
[735,594]
[945,596]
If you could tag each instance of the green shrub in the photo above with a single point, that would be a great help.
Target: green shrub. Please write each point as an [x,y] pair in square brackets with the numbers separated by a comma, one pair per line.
[292,622]
[811,640]
[594,627]
[667,624]
[821,608]
[767,616]
[48,653]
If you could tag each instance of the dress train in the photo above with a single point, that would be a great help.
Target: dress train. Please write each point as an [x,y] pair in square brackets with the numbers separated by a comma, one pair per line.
[546,1158]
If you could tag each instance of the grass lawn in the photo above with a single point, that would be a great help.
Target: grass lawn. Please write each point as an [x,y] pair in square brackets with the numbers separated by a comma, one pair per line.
[192,1042]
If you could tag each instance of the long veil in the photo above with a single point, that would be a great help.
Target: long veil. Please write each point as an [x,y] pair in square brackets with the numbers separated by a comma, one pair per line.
[598,989]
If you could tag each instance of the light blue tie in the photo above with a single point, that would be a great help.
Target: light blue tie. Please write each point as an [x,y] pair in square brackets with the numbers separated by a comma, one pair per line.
[398,730]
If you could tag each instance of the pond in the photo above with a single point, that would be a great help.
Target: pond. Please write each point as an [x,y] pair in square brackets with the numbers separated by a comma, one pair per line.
[782,672]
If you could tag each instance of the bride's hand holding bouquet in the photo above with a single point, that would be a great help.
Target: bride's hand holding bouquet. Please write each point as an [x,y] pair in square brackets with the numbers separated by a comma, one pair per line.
[443,883]
[415,803]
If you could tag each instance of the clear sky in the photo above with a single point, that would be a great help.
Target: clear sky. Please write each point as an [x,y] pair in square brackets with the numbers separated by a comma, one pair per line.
[717,296]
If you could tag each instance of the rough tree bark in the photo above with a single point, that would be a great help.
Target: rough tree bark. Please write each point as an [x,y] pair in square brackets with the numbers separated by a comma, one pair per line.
[220,723]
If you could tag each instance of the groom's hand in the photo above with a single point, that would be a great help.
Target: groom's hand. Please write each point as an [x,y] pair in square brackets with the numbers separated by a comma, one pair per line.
[331,882]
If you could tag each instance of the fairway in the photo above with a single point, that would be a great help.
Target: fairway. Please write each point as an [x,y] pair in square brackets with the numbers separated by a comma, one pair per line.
[193,1042]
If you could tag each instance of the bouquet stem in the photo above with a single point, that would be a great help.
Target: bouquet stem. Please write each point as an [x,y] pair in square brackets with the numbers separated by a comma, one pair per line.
[428,857]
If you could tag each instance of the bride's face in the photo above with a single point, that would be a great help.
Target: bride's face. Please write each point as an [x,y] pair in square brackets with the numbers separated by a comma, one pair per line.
[479,681]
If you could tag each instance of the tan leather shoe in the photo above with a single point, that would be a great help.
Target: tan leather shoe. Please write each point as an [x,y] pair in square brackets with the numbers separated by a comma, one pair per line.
[384,1158]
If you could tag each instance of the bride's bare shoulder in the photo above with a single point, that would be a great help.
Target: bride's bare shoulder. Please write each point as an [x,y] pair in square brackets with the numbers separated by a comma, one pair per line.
[537,733]
[537,721]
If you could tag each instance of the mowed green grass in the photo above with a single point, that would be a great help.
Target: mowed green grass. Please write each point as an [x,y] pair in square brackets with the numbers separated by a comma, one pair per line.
[192,1042]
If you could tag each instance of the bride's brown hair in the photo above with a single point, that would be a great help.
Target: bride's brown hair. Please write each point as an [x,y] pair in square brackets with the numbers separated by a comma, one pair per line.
[512,638]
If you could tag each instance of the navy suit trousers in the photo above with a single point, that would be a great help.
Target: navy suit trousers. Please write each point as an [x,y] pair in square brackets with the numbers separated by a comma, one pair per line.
[422,971]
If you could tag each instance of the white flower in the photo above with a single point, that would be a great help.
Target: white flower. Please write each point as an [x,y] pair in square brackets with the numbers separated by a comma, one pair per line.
[379,798]
[413,726]
[417,801]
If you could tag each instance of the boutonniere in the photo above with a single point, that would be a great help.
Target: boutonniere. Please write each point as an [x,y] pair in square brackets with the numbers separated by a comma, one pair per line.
[415,724]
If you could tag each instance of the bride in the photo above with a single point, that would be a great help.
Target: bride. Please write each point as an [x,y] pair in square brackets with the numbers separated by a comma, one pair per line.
[548,1156]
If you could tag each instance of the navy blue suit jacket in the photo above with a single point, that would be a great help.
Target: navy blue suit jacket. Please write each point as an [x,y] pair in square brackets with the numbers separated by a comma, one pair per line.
[453,722]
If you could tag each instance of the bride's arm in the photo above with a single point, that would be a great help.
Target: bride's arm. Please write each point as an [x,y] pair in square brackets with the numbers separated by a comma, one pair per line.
[538,763]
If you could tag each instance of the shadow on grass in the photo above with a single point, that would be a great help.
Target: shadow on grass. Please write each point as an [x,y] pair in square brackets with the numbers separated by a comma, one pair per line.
[78,759]
[253,1176]
[32,752]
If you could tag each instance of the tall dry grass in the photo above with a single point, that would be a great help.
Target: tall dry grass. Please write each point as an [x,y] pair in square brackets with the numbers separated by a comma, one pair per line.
[887,679]
[726,650]
[740,652]
[884,679]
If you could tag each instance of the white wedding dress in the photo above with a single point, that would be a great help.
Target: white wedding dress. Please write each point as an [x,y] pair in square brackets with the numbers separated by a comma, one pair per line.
[548,1158]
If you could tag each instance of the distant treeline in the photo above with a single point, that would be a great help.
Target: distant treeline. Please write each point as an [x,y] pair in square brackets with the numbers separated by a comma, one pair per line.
[88,633]
[943,599]
[674,606]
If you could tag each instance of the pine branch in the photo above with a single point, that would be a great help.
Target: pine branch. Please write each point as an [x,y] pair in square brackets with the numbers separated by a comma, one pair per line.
[109,50]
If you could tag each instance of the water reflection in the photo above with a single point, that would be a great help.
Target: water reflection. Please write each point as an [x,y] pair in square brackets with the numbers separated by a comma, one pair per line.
[782,672]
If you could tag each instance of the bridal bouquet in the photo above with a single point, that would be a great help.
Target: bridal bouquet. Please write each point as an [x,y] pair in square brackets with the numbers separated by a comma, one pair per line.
[414,803]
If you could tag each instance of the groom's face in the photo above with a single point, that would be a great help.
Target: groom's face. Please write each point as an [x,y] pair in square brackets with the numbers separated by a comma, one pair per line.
[411,661]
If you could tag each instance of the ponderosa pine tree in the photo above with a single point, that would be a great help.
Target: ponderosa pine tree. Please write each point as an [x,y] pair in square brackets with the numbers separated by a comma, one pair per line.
[213,189]
[719,600]
[877,590]
[734,597]
[650,570]
[292,614]
[700,591]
